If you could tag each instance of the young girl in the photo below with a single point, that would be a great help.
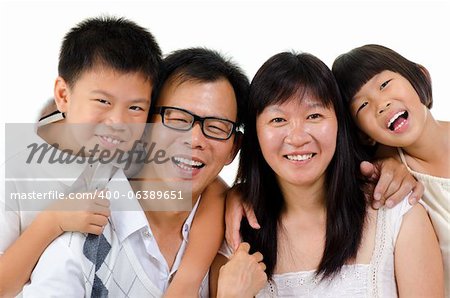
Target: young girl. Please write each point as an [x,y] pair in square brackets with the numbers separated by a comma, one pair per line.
[299,170]
[389,98]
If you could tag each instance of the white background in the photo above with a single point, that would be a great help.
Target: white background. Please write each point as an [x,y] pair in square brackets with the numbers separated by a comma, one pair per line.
[249,31]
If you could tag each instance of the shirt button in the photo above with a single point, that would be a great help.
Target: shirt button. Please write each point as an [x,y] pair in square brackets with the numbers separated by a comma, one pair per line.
[147,234]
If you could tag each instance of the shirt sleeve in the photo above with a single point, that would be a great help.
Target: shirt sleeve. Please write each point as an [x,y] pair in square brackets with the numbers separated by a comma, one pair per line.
[226,250]
[9,221]
[57,274]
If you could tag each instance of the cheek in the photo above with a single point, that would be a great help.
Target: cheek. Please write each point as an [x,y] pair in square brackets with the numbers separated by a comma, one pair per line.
[328,135]
[270,142]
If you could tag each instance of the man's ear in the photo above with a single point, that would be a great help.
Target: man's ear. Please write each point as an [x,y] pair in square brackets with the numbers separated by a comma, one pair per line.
[236,146]
[61,93]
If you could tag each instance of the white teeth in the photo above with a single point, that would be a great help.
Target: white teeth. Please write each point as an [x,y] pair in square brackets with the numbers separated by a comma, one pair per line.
[111,140]
[299,157]
[189,162]
[400,125]
[394,118]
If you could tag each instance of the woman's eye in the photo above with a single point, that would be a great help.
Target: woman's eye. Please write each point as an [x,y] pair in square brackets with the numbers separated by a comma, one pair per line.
[382,86]
[314,116]
[277,120]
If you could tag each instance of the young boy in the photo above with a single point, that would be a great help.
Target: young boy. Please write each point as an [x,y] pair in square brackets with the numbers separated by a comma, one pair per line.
[107,70]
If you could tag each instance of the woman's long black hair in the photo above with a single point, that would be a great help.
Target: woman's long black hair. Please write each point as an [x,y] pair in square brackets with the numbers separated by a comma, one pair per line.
[283,77]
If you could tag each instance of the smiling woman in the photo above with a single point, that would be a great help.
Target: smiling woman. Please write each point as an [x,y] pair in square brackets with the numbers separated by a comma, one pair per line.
[299,170]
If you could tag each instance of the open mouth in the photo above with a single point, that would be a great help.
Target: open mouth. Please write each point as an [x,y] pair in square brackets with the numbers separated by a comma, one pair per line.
[300,157]
[187,164]
[397,121]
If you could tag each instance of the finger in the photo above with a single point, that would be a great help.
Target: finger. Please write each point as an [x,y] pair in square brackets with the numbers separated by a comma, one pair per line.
[98,220]
[417,193]
[103,211]
[94,229]
[101,199]
[394,187]
[382,185]
[243,247]
[262,266]
[251,217]
[257,256]
[399,195]
[368,170]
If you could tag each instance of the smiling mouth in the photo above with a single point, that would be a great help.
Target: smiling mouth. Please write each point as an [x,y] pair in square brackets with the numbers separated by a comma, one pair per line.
[397,121]
[299,157]
[110,140]
[187,164]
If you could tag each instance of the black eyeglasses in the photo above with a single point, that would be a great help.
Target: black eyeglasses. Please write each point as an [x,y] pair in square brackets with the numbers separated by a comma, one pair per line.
[212,127]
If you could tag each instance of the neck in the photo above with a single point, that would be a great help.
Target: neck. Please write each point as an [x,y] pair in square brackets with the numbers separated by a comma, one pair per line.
[432,144]
[304,199]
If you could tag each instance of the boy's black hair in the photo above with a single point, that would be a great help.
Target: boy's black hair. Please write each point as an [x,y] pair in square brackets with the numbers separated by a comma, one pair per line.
[112,42]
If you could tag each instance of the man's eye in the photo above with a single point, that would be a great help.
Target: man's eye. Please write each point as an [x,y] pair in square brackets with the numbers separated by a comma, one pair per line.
[103,101]
[382,86]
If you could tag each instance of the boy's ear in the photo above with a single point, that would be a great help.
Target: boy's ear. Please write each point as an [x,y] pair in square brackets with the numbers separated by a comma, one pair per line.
[236,146]
[61,94]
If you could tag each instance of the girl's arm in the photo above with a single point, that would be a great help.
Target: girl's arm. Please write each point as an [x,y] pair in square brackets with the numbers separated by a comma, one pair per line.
[18,261]
[205,239]
[418,260]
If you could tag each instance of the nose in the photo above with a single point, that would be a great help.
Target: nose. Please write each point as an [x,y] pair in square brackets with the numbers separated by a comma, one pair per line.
[298,135]
[383,106]
[116,119]
[195,138]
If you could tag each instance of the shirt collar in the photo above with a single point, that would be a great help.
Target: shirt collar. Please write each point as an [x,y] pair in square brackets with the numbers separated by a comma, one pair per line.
[188,223]
[127,215]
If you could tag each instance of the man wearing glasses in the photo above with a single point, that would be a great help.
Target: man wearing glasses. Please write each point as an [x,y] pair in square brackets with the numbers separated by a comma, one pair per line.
[196,120]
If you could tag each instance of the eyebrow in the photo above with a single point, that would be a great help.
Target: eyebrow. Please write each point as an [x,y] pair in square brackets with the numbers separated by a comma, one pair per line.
[105,93]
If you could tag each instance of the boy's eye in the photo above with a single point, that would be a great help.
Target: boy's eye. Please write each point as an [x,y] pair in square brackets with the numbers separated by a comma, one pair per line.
[314,116]
[136,108]
[382,86]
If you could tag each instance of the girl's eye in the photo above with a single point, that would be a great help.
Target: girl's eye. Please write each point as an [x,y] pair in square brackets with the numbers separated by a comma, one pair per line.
[314,116]
[362,107]
[382,86]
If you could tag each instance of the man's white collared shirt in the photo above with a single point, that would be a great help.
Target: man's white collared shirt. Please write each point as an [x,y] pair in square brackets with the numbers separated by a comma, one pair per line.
[134,267]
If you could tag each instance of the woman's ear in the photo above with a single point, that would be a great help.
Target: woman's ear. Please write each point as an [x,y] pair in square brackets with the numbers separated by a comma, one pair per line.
[61,93]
